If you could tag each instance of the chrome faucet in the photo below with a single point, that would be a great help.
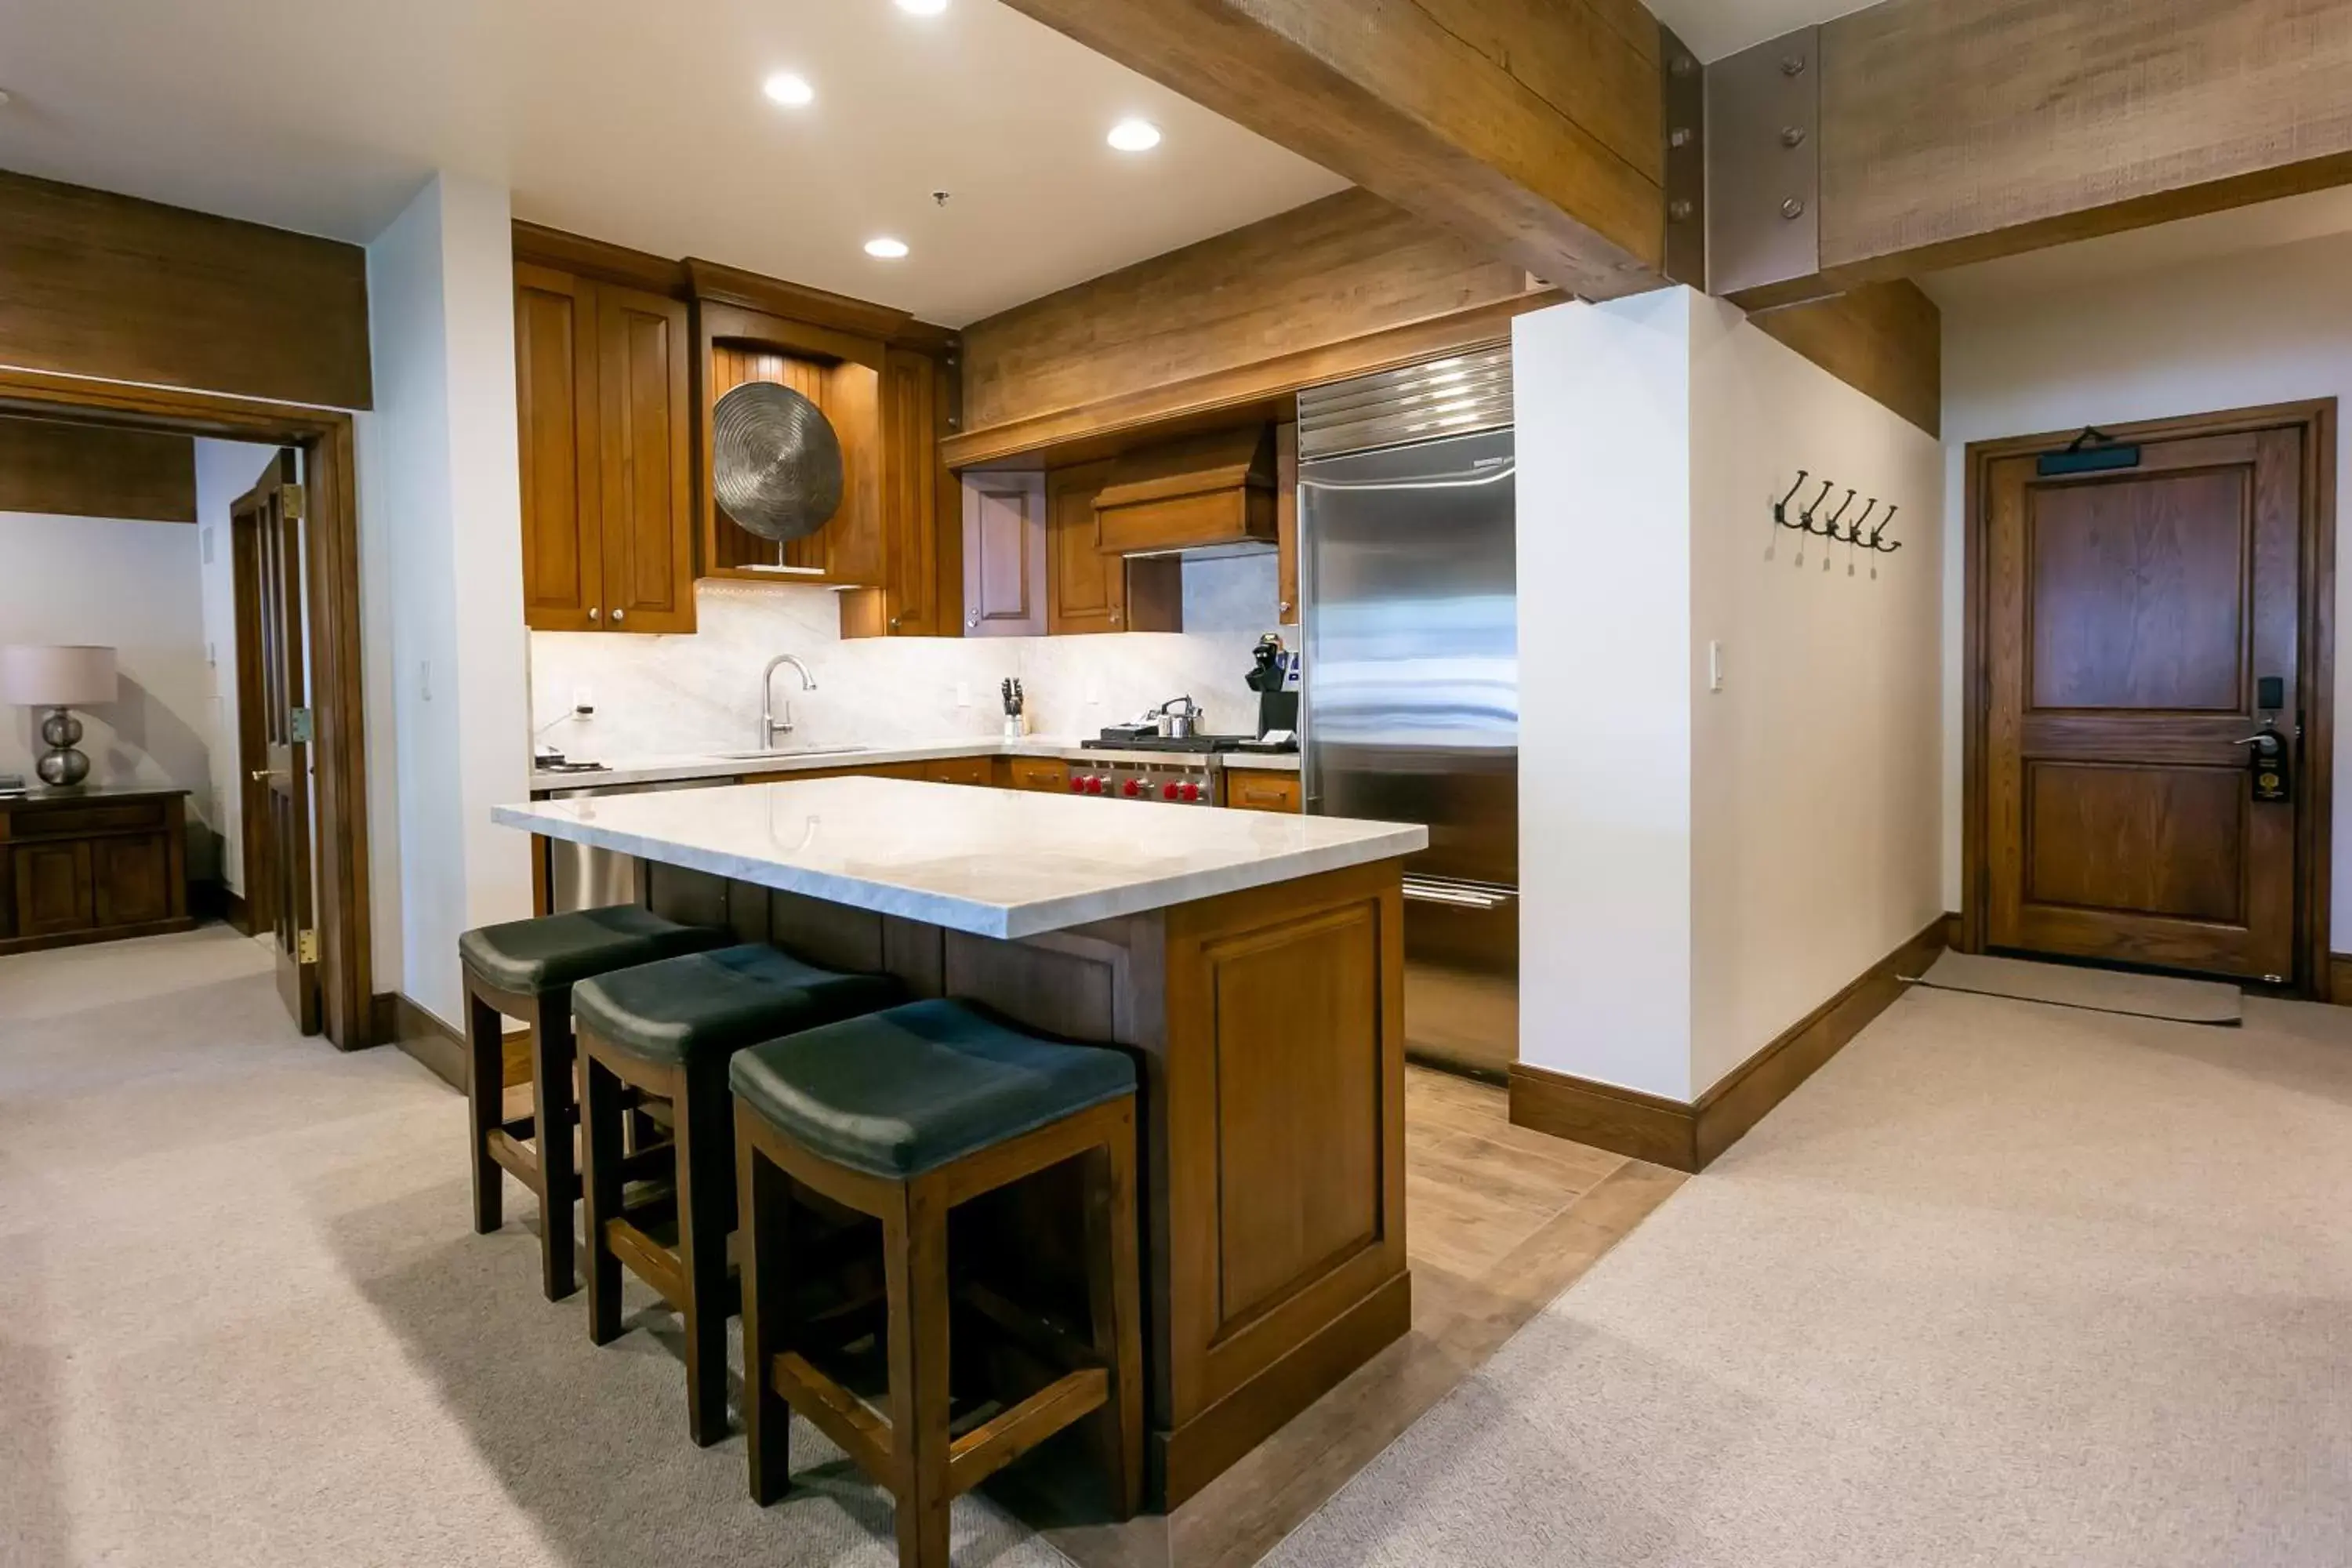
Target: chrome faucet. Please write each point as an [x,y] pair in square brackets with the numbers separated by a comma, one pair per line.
[770,725]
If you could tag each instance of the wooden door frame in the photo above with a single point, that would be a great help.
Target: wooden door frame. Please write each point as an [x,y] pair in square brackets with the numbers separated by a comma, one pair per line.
[2315,680]
[339,759]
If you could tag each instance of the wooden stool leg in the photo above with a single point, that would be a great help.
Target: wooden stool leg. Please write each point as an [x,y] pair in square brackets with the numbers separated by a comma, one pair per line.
[764,1204]
[914,1250]
[706,1213]
[1115,1309]
[486,1088]
[553,1115]
[600,1149]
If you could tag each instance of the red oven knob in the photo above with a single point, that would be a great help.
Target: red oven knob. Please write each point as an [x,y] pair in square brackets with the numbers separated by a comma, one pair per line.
[1169,791]
[1130,789]
[1077,783]
[1094,784]
[1191,791]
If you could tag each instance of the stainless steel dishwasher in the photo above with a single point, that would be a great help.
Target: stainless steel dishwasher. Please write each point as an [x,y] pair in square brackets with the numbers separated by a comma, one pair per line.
[581,877]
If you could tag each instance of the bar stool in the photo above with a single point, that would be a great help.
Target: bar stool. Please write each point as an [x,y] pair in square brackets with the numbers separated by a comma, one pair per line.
[526,970]
[903,1116]
[665,1030]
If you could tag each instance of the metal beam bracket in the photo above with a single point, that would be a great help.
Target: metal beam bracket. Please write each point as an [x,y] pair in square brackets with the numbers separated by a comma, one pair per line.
[1764,164]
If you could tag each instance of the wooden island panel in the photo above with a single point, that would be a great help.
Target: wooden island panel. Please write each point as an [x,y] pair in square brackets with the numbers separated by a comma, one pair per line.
[1268,1028]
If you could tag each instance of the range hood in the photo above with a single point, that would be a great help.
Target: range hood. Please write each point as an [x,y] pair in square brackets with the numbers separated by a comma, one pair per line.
[1203,496]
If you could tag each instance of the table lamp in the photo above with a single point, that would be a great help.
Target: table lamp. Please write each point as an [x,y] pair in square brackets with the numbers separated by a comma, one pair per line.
[58,678]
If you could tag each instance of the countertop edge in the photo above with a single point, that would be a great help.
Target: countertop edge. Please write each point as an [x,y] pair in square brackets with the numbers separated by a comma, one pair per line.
[688,766]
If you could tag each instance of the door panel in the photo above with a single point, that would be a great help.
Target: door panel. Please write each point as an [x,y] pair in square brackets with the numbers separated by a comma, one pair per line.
[1005,555]
[642,449]
[131,880]
[53,891]
[555,384]
[2154,840]
[2137,593]
[2130,615]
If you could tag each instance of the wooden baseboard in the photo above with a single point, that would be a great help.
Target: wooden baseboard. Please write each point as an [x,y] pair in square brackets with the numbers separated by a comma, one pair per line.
[1689,1137]
[441,1047]
[2339,979]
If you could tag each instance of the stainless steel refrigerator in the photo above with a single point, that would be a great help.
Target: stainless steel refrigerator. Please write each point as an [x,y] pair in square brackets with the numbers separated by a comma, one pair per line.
[1409,708]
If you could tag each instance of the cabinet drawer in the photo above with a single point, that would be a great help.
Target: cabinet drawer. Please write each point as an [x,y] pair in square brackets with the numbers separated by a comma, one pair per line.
[1249,789]
[80,821]
[53,888]
[1039,773]
[962,771]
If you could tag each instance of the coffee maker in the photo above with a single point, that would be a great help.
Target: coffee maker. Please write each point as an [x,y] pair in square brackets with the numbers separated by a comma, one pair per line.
[1274,676]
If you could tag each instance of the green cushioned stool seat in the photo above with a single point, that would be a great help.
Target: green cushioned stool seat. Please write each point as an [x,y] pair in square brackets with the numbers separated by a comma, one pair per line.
[900,1092]
[705,1005]
[532,956]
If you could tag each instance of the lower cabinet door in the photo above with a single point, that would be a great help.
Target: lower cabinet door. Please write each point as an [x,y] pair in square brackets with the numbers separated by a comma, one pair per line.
[53,888]
[132,879]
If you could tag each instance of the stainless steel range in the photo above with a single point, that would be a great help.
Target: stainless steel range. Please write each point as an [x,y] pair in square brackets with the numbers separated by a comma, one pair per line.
[1176,770]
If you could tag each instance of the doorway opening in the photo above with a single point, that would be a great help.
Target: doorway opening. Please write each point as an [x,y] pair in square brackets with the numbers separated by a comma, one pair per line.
[2148,692]
[298,532]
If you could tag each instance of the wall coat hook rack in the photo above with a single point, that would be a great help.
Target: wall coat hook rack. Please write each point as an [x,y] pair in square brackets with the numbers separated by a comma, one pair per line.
[1834,529]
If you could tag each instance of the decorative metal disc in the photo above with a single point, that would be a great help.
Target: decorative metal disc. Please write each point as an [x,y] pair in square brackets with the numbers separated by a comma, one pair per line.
[776,461]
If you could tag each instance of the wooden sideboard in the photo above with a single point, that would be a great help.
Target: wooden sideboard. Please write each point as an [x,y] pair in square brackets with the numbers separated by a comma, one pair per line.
[93,867]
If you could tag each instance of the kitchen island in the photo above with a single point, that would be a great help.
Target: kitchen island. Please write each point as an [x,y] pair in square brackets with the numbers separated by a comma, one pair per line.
[1252,962]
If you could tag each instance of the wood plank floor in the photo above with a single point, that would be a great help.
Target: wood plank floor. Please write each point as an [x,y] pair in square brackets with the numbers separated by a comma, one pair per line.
[1499,1220]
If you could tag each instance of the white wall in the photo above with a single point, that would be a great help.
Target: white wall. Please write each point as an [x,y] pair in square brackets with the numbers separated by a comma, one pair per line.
[440,467]
[2236,331]
[133,586]
[668,695]
[1700,869]
[1604,399]
[225,470]
[1817,777]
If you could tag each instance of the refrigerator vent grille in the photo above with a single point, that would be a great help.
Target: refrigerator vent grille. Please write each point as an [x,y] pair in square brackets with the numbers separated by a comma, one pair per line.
[1454,395]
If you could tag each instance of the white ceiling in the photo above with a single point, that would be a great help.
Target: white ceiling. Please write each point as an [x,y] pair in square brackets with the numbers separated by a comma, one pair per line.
[1714,28]
[643,123]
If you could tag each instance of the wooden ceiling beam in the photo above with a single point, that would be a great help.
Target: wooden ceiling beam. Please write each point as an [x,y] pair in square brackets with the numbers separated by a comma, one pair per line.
[1959,131]
[1531,128]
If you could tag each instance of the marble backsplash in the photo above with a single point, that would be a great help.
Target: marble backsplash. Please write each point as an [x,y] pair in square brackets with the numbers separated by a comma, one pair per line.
[659,696]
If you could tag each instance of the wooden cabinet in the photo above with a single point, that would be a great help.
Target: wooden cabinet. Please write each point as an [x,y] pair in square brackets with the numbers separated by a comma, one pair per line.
[1004,570]
[1262,789]
[921,591]
[601,383]
[1285,523]
[980,771]
[91,867]
[1088,589]
[1046,774]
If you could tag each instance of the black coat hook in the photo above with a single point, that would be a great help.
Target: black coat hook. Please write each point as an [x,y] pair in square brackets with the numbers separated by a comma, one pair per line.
[1781,507]
[1806,516]
[1831,532]
[1853,535]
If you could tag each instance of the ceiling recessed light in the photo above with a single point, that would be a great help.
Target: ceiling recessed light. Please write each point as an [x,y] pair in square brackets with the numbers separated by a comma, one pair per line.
[1135,136]
[887,248]
[792,91]
[922,8]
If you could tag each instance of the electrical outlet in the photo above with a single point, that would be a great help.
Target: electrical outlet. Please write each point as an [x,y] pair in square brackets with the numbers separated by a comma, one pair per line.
[963,693]
[583,703]
[1094,691]
[425,680]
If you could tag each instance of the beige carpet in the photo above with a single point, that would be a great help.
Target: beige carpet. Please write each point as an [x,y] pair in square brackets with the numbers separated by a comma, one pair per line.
[244,1322]
[2004,1285]
[2078,986]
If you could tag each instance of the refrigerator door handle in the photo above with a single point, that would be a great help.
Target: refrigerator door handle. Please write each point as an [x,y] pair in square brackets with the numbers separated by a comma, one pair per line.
[1472,481]
[1460,894]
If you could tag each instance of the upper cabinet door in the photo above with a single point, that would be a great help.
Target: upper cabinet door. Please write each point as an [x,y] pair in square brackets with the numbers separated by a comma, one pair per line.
[644,353]
[1086,590]
[911,596]
[555,383]
[1005,555]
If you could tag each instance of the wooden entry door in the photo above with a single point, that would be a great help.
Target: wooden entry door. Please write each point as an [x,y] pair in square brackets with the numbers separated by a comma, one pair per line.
[2128,621]
[268,524]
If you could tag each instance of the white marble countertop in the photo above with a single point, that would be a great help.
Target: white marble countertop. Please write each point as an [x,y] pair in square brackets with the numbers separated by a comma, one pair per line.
[621,772]
[998,863]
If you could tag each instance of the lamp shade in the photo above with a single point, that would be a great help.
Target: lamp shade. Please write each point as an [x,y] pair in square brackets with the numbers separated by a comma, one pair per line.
[57,676]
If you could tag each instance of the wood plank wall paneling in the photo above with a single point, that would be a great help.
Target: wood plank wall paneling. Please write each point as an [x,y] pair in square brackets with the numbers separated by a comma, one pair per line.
[1690,1137]
[96,470]
[1531,126]
[1884,339]
[1952,132]
[109,285]
[1244,315]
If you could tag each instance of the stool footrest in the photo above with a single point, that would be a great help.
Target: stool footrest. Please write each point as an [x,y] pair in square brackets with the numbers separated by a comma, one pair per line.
[986,1449]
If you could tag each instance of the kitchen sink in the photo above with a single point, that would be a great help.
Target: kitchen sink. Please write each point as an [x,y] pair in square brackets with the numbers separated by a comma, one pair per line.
[789,753]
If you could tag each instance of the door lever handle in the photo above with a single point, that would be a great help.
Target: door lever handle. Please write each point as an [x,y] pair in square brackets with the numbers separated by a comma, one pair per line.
[2268,737]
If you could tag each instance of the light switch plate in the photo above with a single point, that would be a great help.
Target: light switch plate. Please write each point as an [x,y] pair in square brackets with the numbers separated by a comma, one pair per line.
[1714,667]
